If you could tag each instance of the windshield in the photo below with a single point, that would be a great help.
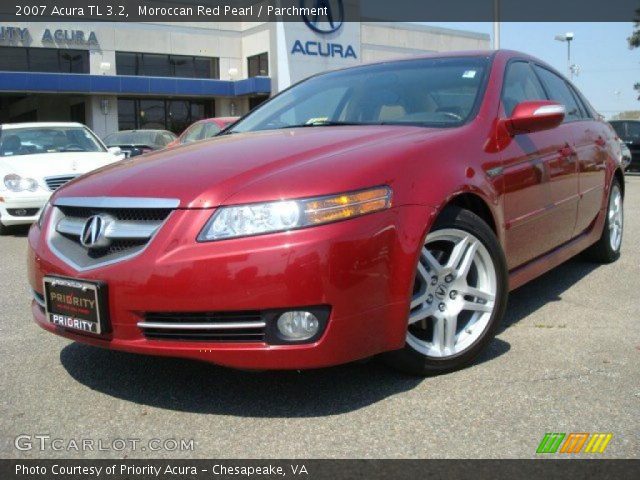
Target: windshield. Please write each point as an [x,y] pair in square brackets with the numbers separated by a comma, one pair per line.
[438,92]
[142,137]
[35,140]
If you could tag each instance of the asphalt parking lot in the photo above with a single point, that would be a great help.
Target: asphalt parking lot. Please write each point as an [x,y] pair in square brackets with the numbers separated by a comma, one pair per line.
[566,360]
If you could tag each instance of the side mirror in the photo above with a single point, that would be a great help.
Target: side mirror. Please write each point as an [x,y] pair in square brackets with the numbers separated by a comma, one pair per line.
[114,151]
[534,116]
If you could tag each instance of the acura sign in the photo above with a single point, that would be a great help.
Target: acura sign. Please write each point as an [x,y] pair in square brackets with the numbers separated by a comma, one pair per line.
[327,24]
[333,19]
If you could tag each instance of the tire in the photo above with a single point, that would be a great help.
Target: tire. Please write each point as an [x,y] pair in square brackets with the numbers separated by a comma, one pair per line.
[438,343]
[606,250]
[3,229]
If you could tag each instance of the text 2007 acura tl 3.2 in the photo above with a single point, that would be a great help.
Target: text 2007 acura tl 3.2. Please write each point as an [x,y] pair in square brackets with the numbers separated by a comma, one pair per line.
[383,208]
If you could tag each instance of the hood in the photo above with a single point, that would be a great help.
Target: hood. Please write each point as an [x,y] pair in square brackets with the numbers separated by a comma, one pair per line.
[204,174]
[53,164]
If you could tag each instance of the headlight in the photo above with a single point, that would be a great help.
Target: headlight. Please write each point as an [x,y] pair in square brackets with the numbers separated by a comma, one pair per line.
[43,214]
[259,218]
[16,183]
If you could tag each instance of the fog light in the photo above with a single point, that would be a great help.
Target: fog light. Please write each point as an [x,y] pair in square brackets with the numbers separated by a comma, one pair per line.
[298,325]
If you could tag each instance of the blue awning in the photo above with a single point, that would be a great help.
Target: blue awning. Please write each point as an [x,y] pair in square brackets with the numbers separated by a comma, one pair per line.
[130,85]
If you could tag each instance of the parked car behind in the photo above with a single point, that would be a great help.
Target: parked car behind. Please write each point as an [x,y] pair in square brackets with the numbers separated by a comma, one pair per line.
[38,158]
[629,132]
[385,208]
[137,142]
[627,157]
[206,128]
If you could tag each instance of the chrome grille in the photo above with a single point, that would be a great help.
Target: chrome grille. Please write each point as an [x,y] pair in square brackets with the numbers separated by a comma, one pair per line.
[209,327]
[55,183]
[127,225]
[39,299]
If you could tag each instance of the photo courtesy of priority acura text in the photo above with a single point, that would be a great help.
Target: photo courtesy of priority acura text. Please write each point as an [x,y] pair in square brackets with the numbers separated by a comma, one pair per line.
[281,237]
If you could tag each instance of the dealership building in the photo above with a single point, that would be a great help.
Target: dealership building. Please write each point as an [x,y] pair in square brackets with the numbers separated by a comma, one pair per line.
[115,76]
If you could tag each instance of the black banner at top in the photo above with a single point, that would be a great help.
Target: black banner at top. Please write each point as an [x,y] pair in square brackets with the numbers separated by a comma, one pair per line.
[327,11]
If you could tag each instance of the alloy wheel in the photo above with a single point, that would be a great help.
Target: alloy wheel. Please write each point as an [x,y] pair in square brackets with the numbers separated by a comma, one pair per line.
[615,218]
[454,294]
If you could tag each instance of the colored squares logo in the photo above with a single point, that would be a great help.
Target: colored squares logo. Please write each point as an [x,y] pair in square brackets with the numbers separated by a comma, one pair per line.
[574,443]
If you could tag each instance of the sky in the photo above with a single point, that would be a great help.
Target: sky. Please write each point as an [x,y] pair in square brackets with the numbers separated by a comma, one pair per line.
[608,68]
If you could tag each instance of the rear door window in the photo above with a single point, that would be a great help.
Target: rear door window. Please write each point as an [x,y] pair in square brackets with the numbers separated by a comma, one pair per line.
[558,91]
[520,85]
[210,130]
[193,133]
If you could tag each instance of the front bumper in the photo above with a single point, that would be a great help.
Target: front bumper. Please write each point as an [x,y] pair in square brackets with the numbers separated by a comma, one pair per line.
[362,269]
[9,206]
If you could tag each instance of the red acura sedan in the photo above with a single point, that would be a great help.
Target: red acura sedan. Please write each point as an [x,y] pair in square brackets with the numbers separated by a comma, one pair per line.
[202,129]
[387,208]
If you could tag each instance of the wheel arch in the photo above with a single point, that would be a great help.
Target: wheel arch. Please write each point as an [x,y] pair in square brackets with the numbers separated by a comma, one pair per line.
[476,204]
[617,174]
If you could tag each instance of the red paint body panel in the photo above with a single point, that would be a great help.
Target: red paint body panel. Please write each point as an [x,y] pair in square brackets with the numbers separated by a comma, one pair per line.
[546,203]
[362,268]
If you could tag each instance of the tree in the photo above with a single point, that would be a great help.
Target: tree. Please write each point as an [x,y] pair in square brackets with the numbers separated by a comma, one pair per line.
[634,39]
[634,42]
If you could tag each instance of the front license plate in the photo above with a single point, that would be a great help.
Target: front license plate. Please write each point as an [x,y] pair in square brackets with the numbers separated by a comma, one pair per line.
[76,304]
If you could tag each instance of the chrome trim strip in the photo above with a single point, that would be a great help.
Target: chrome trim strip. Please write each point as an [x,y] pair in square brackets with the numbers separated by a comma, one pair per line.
[62,177]
[117,202]
[117,230]
[494,172]
[38,298]
[549,110]
[201,326]
[71,226]
[124,230]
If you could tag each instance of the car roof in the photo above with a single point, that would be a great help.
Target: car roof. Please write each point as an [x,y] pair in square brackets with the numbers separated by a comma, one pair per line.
[12,126]
[503,53]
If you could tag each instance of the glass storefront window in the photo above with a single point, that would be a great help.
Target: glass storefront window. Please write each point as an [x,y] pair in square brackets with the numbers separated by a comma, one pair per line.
[258,65]
[207,67]
[43,60]
[126,63]
[152,114]
[174,115]
[181,66]
[178,115]
[155,65]
[73,61]
[48,60]
[126,114]
[14,59]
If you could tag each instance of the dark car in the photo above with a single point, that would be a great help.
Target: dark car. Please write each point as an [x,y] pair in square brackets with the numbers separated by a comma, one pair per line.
[137,142]
[629,132]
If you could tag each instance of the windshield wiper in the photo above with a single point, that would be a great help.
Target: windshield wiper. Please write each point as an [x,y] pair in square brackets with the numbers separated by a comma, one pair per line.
[327,123]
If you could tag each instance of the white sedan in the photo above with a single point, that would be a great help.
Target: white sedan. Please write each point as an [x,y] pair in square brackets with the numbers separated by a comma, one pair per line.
[38,158]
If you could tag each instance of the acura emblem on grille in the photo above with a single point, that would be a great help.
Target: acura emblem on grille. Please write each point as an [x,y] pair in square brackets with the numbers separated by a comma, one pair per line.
[93,232]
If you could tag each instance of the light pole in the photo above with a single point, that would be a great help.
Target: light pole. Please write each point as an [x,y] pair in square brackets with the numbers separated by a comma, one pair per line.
[567,37]
[496,24]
